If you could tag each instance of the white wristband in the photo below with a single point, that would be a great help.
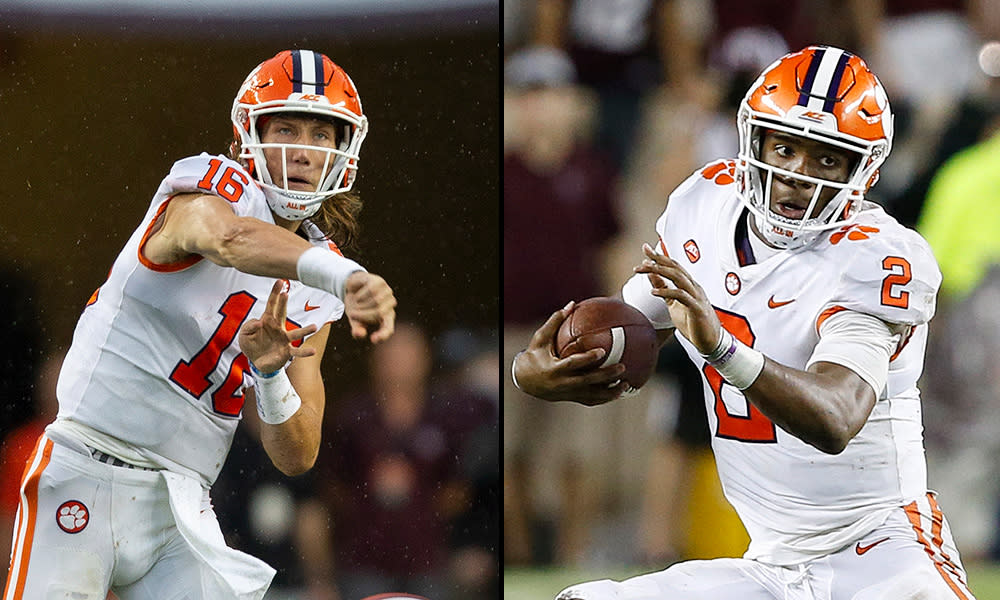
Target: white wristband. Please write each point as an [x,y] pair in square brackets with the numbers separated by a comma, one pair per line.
[738,363]
[325,270]
[277,400]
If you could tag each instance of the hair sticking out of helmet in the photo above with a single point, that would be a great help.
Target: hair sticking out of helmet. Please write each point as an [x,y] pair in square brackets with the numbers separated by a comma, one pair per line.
[827,95]
[301,83]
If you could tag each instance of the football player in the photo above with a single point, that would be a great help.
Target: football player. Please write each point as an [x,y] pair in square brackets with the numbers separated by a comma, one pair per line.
[806,309]
[226,290]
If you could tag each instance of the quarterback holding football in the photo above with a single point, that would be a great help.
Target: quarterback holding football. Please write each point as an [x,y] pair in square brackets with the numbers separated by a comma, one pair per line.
[806,309]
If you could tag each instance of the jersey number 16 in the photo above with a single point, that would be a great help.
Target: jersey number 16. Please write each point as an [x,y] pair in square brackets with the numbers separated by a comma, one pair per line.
[193,375]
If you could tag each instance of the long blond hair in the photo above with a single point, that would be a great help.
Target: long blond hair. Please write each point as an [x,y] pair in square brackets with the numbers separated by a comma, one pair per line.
[338,219]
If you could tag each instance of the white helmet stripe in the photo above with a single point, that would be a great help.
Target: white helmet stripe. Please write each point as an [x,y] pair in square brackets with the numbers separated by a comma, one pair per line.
[308,62]
[823,80]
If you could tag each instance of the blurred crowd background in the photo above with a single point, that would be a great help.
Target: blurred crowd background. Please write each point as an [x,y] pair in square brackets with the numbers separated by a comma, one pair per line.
[610,105]
[99,99]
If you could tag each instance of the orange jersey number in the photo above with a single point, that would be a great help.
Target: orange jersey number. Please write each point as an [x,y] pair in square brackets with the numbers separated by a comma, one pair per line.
[193,375]
[230,185]
[899,274]
[755,427]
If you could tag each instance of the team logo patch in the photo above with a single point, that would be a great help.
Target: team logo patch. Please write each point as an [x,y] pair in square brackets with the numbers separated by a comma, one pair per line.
[72,516]
[722,173]
[692,251]
[854,232]
[733,283]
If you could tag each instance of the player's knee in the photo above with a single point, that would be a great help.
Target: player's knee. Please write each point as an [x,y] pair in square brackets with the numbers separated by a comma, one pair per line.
[604,589]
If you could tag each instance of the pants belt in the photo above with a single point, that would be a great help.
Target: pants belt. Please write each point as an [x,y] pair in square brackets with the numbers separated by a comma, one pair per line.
[115,461]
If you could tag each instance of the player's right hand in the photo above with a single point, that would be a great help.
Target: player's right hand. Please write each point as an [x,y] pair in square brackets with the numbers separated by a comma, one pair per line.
[265,341]
[576,378]
[370,306]
[690,309]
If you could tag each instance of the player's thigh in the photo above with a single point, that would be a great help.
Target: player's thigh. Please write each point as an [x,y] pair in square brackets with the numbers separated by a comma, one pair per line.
[896,561]
[896,571]
[62,543]
[718,579]
[178,575]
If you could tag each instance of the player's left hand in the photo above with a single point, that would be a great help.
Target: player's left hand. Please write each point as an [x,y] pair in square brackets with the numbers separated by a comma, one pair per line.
[370,306]
[266,342]
[576,378]
[689,307]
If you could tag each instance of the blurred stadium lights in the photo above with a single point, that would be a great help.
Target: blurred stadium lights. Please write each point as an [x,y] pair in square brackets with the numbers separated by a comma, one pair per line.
[349,17]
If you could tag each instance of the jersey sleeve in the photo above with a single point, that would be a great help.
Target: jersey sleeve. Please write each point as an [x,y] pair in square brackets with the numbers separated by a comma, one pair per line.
[217,175]
[636,292]
[860,342]
[890,274]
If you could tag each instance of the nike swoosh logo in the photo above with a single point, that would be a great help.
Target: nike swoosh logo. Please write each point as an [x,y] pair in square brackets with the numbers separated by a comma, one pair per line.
[310,307]
[862,549]
[772,304]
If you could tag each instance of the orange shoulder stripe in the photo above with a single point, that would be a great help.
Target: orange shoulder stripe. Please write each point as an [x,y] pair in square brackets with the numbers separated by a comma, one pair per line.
[169,267]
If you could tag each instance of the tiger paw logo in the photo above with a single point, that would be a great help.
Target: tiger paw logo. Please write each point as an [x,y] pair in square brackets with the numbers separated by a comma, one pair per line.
[692,251]
[723,172]
[733,283]
[72,516]
[854,233]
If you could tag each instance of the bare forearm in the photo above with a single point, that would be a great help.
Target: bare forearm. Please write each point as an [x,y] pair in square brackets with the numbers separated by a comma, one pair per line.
[824,406]
[258,248]
[816,407]
[294,444]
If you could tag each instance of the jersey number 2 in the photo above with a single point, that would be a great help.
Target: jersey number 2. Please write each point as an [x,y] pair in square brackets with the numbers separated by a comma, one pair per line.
[192,375]
[754,427]
[899,274]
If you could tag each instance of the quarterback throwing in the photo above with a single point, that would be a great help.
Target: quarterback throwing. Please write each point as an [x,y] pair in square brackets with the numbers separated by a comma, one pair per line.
[225,291]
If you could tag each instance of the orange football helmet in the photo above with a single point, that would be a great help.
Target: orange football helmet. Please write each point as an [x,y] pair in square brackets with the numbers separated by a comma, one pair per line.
[303,82]
[824,94]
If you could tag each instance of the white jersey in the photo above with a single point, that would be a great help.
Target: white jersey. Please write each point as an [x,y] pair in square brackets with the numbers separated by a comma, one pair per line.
[796,501]
[155,363]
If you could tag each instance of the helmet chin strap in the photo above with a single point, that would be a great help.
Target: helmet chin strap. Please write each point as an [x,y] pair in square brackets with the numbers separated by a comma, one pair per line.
[779,237]
[278,203]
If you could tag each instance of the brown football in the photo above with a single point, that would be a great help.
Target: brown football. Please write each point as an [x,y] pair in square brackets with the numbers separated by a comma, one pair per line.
[625,334]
